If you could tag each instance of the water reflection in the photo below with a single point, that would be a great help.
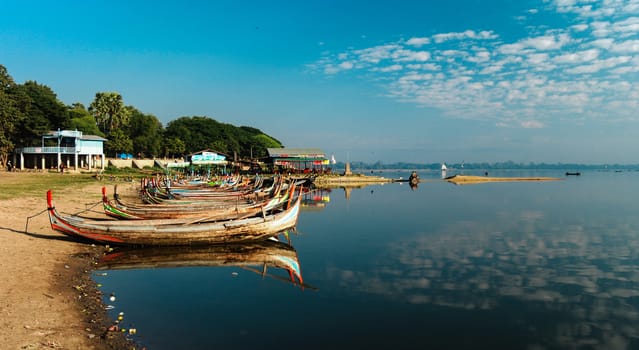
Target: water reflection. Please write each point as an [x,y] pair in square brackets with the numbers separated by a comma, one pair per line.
[254,256]
[574,287]
[315,198]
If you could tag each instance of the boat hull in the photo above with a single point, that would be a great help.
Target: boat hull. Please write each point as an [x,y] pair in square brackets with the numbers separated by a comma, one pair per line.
[179,233]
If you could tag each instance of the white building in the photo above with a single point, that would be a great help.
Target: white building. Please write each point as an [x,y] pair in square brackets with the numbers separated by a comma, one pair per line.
[63,147]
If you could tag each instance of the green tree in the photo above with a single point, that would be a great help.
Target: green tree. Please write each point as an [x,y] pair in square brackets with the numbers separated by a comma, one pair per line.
[262,142]
[109,111]
[202,132]
[119,142]
[9,116]
[145,130]
[41,109]
[82,120]
[173,147]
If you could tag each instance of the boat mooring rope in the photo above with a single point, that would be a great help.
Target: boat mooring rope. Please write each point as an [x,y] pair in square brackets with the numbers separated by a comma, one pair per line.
[26,226]
[86,209]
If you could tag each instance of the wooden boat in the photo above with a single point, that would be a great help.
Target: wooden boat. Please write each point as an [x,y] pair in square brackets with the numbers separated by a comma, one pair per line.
[198,204]
[214,211]
[413,178]
[153,192]
[174,231]
[253,256]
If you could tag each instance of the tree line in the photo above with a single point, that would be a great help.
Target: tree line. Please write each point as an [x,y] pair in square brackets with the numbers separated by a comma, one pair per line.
[30,110]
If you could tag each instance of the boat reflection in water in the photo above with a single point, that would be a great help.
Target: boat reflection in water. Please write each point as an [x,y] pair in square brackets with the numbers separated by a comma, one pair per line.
[255,256]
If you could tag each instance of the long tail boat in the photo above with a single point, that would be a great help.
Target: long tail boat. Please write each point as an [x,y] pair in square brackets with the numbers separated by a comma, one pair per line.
[253,256]
[174,231]
[214,211]
[154,192]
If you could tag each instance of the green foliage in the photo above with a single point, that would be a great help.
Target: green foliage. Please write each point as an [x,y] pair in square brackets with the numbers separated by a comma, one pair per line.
[109,111]
[145,130]
[30,110]
[201,133]
[119,142]
[82,120]
[41,109]
[47,105]
[9,115]
[264,141]
[173,147]
[6,81]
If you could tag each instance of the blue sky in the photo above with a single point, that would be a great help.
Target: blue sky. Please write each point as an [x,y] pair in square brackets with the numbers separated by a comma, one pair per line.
[411,81]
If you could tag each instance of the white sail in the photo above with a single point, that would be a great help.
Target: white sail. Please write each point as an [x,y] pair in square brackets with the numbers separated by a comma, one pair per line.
[333,161]
[444,168]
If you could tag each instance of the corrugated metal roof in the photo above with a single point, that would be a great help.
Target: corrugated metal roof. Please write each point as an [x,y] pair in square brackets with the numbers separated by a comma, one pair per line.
[93,138]
[295,153]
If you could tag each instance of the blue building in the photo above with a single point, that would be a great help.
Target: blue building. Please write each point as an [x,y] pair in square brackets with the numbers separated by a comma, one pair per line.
[63,147]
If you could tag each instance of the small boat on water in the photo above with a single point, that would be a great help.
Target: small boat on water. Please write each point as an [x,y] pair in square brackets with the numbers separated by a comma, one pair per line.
[573,174]
[413,178]
[174,231]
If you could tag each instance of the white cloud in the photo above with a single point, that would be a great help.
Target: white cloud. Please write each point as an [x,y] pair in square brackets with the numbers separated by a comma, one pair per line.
[603,43]
[511,49]
[330,69]
[601,29]
[393,68]
[410,56]
[452,53]
[537,58]
[577,57]
[418,42]
[579,27]
[585,69]
[632,7]
[492,69]
[598,65]
[480,56]
[627,26]
[469,34]
[377,53]
[629,46]
[346,65]
[531,124]
[547,42]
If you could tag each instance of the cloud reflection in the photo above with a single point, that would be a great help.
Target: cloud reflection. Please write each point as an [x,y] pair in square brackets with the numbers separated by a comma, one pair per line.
[588,273]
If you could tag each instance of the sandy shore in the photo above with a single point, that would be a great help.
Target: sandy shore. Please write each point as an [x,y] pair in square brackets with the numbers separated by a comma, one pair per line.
[47,297]
[470,179]
[338,180]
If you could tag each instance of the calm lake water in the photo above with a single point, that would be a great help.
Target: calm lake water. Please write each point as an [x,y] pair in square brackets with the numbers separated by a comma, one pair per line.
[522,265]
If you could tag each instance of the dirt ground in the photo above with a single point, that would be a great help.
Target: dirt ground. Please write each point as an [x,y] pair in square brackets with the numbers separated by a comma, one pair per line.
[47,297]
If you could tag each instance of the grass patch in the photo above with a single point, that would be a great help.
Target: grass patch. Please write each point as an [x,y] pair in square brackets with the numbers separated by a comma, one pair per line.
[13,185]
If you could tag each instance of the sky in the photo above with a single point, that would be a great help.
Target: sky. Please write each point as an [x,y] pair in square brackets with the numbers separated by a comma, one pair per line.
[392,81]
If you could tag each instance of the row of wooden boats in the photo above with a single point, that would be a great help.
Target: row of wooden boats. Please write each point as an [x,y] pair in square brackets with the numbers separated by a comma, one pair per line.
[207,215]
